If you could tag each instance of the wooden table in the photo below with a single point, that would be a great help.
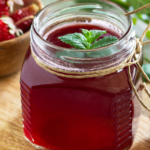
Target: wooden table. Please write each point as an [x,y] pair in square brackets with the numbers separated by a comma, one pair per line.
[11,133]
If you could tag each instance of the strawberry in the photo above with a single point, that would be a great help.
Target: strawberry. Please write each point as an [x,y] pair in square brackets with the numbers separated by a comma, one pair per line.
[7,29]
[6,6]
[23,17]
[4,9]
[4,32]
[3,2]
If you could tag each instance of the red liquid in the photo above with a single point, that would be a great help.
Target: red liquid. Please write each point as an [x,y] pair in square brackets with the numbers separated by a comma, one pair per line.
[53,37]
[73,114]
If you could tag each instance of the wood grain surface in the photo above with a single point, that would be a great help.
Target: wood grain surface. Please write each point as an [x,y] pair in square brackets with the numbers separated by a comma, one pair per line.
[11,133]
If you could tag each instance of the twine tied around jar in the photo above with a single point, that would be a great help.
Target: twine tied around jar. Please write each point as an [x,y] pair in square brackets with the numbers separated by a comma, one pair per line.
[126,63]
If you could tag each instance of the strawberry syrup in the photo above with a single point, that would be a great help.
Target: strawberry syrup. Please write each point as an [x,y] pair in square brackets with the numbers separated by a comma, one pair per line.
[53,36]
[76,114]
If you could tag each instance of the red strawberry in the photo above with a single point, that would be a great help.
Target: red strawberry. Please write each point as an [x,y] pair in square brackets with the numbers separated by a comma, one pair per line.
[7,29]
[6,6]
[3,2]
[4,32]
[4,9]
[23,17]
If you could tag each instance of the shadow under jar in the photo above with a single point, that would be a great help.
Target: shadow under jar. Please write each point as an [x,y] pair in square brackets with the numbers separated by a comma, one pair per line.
[99,113]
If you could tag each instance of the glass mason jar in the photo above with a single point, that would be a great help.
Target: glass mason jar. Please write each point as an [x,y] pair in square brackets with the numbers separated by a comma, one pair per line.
[99,113]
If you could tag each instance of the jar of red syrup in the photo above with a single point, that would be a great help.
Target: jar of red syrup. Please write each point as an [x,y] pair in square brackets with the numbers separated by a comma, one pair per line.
[60,113]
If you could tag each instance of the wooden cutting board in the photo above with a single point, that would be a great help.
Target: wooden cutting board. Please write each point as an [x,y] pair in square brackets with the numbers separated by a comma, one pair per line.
[11,133]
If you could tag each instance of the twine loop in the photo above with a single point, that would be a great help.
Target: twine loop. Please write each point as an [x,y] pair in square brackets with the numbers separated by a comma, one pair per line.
[125,63]
[138,46]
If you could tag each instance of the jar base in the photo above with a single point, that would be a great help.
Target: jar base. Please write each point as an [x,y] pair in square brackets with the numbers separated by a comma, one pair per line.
[34,145]
[44,148]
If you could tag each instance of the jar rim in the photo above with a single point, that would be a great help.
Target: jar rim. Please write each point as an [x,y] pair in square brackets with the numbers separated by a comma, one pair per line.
[85,50]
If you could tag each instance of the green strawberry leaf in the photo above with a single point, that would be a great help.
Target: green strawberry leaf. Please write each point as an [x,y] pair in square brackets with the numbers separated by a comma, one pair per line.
[92,35]
[76,40]
[104,42]
[146,68]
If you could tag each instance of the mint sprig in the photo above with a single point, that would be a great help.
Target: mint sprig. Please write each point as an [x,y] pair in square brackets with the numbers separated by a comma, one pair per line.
[92,35]
[88,39]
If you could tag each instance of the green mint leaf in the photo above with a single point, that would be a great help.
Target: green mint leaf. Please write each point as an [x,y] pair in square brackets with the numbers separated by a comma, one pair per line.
[146,68]
[92,35]
[76,40]
[80,36]
[104,42]
[85,40]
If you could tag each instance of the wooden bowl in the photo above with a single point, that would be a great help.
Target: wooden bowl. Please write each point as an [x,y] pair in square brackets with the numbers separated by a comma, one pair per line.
[12,52]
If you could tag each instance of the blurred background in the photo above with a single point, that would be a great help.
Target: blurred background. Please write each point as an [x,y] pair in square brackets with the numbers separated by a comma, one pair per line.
[140,20]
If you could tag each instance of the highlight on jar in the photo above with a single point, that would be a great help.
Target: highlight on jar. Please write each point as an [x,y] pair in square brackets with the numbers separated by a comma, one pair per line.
[81,78]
